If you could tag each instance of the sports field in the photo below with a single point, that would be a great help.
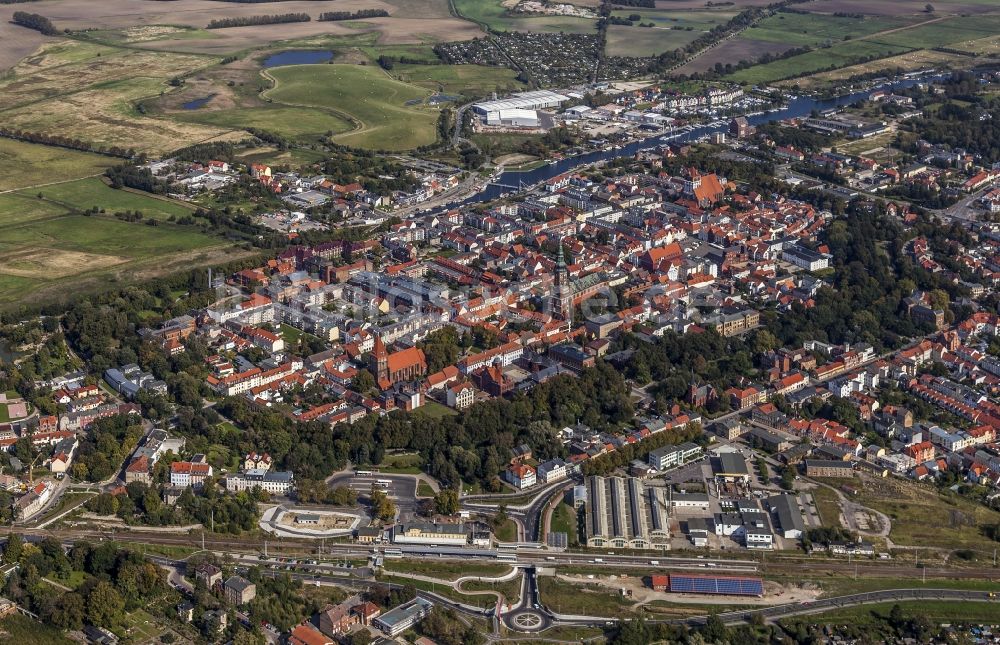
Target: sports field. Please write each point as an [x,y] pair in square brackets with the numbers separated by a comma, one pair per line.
[365,95]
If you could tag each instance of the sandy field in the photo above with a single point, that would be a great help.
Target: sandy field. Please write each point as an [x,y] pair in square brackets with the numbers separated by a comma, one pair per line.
[54,263]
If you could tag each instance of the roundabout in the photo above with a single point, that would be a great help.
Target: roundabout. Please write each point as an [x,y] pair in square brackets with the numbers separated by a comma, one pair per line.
[526,620]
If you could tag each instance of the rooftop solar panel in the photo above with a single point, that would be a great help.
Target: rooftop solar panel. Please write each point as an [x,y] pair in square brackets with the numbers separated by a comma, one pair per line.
[717,585]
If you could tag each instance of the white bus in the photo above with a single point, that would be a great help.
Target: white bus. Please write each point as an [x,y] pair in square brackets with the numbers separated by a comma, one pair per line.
[383,483]
[363,473]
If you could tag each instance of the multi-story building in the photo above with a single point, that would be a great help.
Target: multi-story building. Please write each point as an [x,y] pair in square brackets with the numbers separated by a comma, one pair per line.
[276,483]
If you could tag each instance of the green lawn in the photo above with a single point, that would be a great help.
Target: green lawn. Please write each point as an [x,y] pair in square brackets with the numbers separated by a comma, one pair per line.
[292,335]
[364,94]
[564,519]
[424,489]
[87,193]
[468,80]
[435,410]
[507,531]
[405,464]
[30,164]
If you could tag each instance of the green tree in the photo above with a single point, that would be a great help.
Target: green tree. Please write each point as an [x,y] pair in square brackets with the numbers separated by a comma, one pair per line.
[446,502]
[13,549]
[104,605]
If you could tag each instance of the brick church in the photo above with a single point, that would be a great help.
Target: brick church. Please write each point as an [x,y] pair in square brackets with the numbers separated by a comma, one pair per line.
[389,369]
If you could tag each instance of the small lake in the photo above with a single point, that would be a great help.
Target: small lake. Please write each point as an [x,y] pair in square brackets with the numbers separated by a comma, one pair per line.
[298,57]
[198,103]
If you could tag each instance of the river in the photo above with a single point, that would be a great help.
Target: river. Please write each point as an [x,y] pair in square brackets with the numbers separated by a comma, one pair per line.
[798,107]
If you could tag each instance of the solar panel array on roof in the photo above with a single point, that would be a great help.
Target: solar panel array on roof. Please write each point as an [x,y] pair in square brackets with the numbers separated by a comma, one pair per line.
[716,585]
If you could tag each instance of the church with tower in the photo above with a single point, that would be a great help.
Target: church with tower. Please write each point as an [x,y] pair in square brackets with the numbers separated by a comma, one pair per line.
[562,290]
[396,367]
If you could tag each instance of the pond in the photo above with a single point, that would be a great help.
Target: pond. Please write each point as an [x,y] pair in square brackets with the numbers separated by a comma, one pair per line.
[298,57]
[198,103]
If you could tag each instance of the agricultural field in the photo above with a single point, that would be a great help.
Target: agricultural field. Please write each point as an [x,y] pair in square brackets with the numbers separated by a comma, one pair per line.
[881,38]
[23,165]
[179,25]
[367,96]
[671,29]
[910,61]
[494,14]
[815,30]
[646,41]
[468,80]
[841,55]
[86,193]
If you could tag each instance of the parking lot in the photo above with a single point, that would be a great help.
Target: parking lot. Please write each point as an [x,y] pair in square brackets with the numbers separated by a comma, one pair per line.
[401,489]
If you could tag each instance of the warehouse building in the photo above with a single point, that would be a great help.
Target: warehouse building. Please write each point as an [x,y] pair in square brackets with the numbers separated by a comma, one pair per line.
[538,100]
[514,117]
[623,513]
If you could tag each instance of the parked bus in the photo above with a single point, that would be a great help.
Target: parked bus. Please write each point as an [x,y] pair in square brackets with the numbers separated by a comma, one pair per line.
[383,483]
[363,473]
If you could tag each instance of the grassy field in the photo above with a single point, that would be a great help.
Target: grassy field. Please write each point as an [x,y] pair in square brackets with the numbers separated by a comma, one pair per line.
[921,516]
[435,410]
[408,464]
[812,29]
[469,80]
[87,193]
[493,14]
[291,335]
[507,531]
[564,519]
[286,121]
[840,55]
[935,611]
[646,41]
[90,90]
[41,256]
[28,164]
[365,95]
[582,600]
[867,45]
[828,505]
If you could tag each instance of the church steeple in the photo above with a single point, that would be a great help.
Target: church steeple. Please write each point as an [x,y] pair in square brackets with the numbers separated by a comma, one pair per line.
[562,296]
[379,362]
